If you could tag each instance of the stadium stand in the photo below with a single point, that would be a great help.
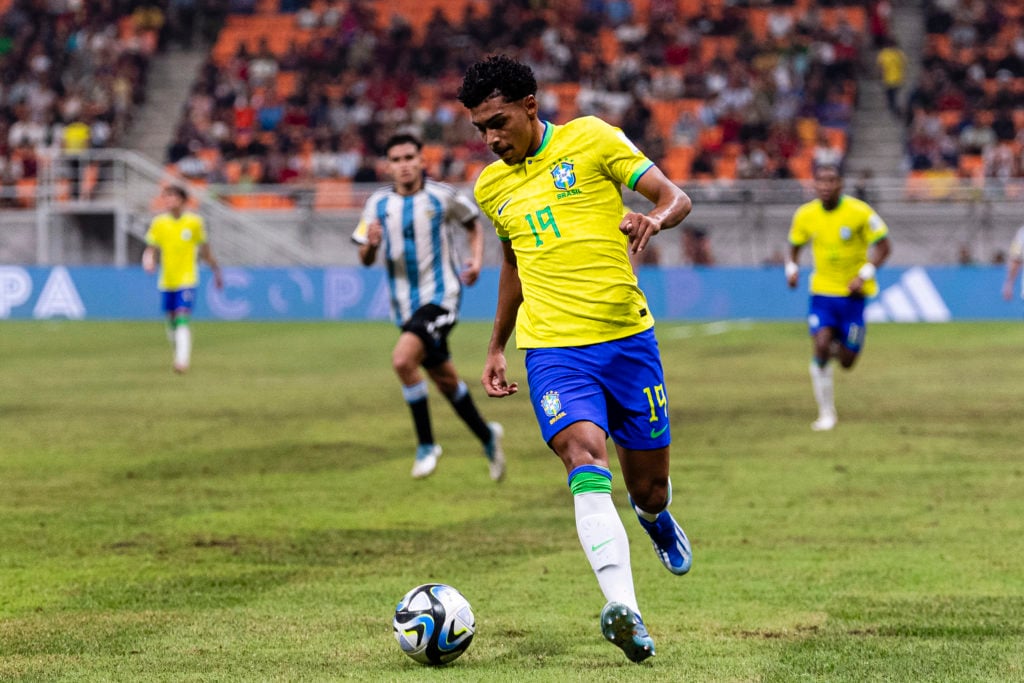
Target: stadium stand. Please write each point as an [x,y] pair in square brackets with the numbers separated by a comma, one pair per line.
[71,79]
[306,90]
[965,114]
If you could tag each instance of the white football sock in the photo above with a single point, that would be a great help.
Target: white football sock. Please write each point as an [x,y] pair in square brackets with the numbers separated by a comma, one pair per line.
[182,345]
[606,545]
[824,392]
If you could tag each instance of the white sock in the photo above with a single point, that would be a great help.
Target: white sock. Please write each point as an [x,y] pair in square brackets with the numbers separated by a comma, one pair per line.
[606,545]
[824,391]
[182,345]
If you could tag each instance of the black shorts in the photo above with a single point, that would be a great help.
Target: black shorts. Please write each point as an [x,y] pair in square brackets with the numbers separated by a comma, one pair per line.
[432,324]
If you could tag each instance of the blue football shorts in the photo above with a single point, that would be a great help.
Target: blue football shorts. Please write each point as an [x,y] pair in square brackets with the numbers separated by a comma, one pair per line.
[844,314]
[618,385]
[179,299]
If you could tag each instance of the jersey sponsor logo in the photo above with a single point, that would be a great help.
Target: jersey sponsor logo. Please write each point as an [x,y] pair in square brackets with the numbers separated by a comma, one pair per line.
[845,233]
[564,175]
[913,299]
[186,235]
[655,433]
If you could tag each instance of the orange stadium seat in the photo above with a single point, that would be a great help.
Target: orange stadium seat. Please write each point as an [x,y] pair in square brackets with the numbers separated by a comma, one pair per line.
[836,138]
[568,93]
[261,201]
[433,155]
[725,168]
[854,15]
[333,194]
[972,166]
[676,164]
[26,192]
[286,82]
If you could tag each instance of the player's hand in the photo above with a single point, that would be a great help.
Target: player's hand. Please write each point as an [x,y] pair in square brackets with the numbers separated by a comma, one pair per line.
[792,280]
[855,285]
[1007,291]
[639,228]
[374,234]
[218,279]
[470,273]
[148,262]
[495,383]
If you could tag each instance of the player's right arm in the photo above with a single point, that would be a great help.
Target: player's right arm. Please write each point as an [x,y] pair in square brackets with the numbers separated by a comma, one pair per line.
[368,235]
[149,254]
[798,237]
[149,259]
[1013,264]
[510,296]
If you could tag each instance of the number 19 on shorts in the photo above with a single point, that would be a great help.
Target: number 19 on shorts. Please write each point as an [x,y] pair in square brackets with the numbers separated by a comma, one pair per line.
[657,399]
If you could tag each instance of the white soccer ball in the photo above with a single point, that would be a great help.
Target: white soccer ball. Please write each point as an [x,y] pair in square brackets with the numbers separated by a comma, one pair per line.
[434,624]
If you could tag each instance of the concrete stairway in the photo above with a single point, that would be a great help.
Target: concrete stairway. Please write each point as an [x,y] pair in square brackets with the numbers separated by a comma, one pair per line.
[170,78]
[878,136]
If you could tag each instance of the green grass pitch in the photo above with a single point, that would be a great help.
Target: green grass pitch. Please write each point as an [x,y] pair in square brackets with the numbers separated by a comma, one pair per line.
[255,520]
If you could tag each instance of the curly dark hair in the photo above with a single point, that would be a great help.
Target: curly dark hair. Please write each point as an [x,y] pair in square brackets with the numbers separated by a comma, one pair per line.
[498,75]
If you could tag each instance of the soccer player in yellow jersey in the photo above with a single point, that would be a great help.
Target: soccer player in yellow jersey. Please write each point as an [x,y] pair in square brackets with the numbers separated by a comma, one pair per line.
[567,287]
[178,236]
[849,243]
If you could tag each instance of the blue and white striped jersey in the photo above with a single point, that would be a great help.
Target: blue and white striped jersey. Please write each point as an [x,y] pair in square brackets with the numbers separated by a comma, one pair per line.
[418,246]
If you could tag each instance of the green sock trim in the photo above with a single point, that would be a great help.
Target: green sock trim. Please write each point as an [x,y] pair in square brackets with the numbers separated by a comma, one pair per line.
[179,320]
[590,482]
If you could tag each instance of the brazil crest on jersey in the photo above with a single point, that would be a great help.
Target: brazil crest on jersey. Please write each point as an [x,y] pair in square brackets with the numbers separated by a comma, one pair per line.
[560,209]
[178,240]
[840,240]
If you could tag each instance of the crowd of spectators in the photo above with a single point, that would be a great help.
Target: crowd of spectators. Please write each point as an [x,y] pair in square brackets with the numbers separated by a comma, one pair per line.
[71,74]
[736,89]
[965,114]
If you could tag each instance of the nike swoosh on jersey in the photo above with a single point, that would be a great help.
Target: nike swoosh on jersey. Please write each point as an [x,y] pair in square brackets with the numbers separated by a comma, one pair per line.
[502,207]
[656,433]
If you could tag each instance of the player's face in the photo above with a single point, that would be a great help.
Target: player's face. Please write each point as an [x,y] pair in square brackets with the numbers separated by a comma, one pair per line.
[405,164]
[507,127]
[174,201]
[828,185]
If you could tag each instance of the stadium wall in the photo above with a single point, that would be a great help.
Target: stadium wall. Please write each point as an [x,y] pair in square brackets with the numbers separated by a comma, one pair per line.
[914,294]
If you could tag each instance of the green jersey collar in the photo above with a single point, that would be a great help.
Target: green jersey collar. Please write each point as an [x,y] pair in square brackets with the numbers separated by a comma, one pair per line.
[544,140]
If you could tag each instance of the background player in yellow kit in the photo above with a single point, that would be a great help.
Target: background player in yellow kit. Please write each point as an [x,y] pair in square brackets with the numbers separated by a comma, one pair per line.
[848,242]
[567,287]
[178,237]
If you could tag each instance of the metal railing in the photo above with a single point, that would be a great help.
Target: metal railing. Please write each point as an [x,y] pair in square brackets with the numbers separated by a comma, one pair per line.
[934,218]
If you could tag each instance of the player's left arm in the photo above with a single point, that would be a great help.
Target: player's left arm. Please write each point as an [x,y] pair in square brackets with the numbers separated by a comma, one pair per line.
[877,255]
[671,206]
[206,254]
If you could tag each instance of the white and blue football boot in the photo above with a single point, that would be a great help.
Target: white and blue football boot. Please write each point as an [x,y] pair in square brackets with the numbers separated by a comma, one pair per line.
[624,628]
[670,542]
[426,460]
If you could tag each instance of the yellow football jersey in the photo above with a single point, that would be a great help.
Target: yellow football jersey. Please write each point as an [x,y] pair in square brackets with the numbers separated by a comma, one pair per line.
[840,240]
[560,209]
[178,240]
